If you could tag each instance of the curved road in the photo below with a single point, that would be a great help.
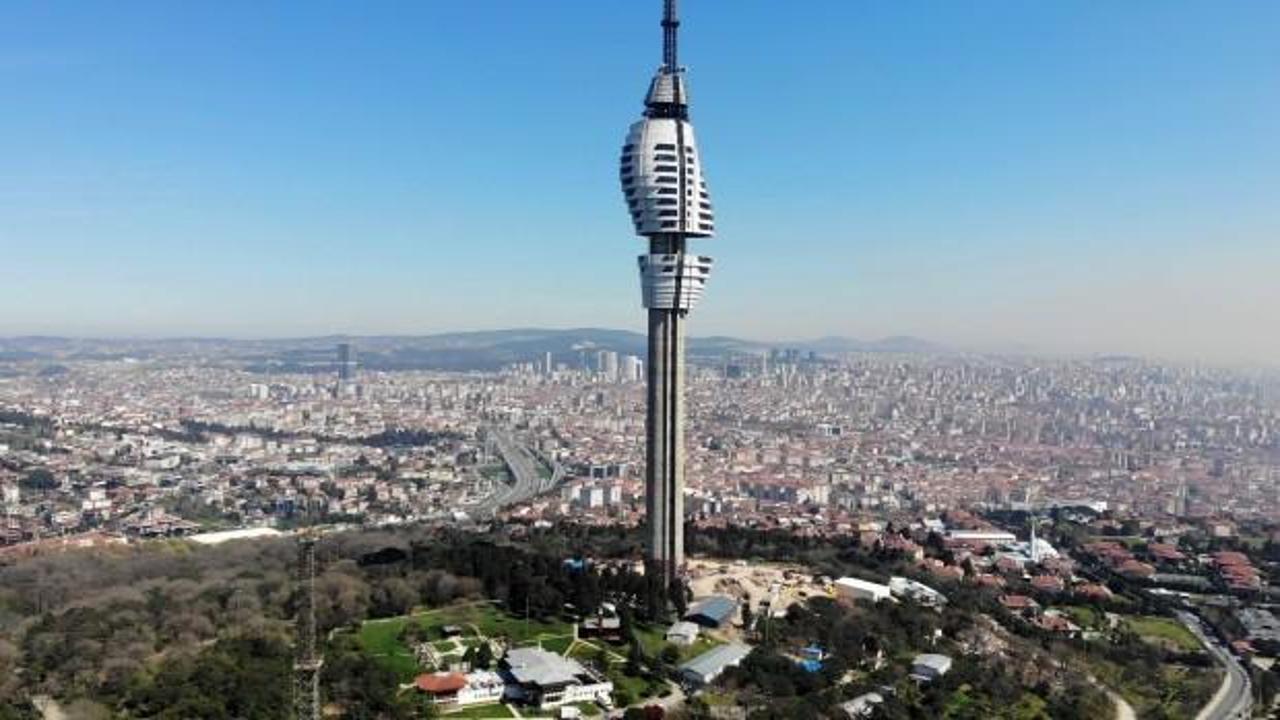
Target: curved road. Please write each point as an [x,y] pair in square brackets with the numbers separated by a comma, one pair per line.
[527,481]
[1234,699]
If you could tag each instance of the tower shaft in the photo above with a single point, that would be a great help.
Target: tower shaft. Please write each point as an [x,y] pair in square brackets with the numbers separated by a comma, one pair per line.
[664,425]
[666,193]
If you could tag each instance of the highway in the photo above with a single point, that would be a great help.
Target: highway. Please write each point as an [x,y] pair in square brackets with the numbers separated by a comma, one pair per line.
[1234,699]
[527,482]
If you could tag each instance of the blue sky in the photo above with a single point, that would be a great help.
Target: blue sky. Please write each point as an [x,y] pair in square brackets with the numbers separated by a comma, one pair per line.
[1065,176]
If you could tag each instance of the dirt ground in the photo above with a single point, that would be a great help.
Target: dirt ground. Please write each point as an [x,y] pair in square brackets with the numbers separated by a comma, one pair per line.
[780,584]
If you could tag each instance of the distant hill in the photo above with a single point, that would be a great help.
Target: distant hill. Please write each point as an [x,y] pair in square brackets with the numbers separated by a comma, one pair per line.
[476,350]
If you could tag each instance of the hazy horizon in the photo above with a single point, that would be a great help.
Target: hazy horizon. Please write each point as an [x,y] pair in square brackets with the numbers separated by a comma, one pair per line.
[1072,180]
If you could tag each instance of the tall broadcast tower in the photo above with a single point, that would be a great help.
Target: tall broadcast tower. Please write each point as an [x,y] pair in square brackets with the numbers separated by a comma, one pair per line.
[662,181]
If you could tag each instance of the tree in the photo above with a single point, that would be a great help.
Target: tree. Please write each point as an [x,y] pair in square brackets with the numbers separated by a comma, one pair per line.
[670,655]
[484,656]
[635,658]
[679,596]
[622,697]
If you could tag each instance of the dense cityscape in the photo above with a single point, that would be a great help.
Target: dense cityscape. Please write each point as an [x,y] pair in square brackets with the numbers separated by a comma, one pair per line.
[1151,485]
[244,474]
[778,439]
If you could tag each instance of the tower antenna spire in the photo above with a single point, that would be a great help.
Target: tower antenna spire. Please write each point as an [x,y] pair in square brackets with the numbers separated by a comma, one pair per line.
[670,24]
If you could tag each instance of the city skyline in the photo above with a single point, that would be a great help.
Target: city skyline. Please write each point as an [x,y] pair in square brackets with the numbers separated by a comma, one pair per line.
[1069,187]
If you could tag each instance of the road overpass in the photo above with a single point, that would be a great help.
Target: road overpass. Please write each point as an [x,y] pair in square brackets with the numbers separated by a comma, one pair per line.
[526,480]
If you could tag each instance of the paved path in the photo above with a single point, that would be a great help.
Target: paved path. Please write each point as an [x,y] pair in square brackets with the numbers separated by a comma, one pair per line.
[1124,711]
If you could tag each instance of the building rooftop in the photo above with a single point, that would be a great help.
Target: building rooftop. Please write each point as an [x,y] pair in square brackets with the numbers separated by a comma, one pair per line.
[442,682]
[716,609]
[535,666]
[717,659]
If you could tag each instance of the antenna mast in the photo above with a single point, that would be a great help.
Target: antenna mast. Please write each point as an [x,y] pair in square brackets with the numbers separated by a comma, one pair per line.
[307,664]
[670,24]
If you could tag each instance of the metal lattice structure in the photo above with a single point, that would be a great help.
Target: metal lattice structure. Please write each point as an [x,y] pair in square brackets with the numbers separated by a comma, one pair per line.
[307,662]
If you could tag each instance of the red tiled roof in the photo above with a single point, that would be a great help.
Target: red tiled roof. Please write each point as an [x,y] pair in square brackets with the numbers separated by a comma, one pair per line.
[438,683]
[1018,602]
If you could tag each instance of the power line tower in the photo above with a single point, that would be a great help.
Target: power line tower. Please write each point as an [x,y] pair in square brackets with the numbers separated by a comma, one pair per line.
[307,663]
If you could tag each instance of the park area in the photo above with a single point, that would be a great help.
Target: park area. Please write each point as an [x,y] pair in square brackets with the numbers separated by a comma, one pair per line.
[452,631]
[385,639]
[1166,632]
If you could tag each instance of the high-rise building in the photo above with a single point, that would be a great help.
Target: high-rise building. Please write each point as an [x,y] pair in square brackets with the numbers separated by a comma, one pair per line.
[662,181]
[346,363]
[607,365]
[632,369]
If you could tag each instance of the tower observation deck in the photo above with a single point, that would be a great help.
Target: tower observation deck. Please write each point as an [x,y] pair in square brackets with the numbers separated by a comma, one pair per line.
[666,194]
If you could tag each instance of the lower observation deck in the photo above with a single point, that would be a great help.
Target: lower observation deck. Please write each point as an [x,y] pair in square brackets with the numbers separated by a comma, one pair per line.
[673,281]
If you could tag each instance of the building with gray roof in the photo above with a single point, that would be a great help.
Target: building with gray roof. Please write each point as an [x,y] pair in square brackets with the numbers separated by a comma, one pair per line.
[929,667]
[704,669]
[712,611]
[544,679]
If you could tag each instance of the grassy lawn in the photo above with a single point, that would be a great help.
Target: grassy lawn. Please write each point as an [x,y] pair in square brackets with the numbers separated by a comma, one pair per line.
[1175,692]
[482,711]
[1086,617]
[699,646]
[716,698]
[653,639]
[1165,631]
[557,645]
[381,638]
[638,687]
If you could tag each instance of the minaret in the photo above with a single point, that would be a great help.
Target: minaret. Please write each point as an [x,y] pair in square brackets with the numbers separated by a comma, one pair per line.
[1035,551]
[662,181]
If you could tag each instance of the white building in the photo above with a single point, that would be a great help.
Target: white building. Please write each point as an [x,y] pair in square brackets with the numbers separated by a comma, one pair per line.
[546,680]
[930,667]
[848,588]
[862,706]
[902,587]
[683,633]
[453,688]
[990,537]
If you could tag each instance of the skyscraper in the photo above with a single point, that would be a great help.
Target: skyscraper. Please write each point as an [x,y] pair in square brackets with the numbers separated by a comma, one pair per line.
[662,181]
[346,363]
[607,365]
[631,368]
